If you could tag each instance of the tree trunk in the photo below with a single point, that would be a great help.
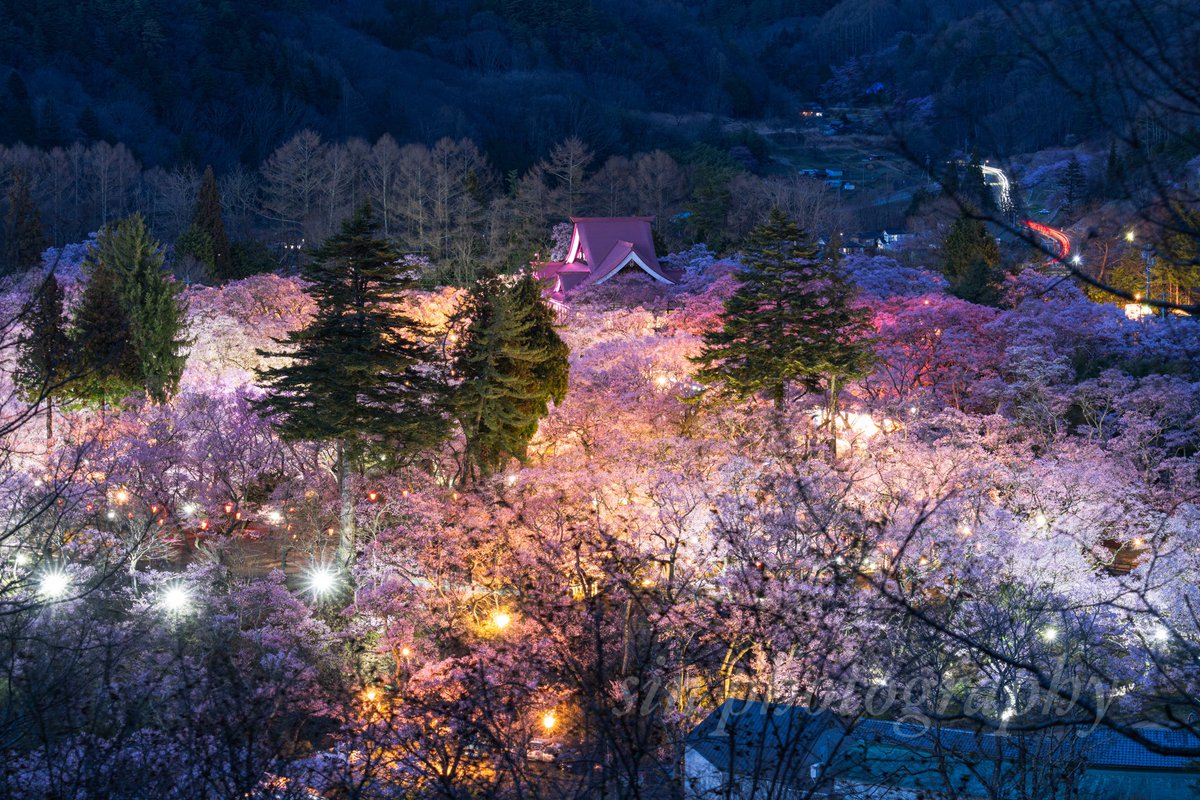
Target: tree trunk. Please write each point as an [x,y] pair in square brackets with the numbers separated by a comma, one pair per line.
[831,412]
[49,425]
[346,532]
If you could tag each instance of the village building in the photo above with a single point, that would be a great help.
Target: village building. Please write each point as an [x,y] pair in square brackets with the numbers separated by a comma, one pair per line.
[600,248]
[748,750]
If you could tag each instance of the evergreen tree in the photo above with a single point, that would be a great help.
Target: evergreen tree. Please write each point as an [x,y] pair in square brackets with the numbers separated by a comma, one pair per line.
[833,248]
[791,320]
[1114,174]
[89,125]
[512,363]
[103,362]
[950,181]
[971,261]
[151,300]
[43,358]
[51,126]
[24,239]
[361,374]
[208,227]
[1074,185]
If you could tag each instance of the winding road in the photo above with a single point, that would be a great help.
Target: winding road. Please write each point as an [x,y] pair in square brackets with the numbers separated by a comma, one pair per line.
[1054,235]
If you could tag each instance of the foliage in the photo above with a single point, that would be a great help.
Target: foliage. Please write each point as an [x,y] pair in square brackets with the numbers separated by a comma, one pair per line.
[792,319]
[361,370]
[510,363]
[24,238]
[971,260]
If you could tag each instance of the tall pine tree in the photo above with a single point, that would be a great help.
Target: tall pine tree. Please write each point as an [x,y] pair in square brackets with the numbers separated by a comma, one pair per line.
[971,261]
[129,328]
[792,320]
[206,239]
[151,299]
[24,238]
[511,363]
[43,366]
[362,374]
[103,363]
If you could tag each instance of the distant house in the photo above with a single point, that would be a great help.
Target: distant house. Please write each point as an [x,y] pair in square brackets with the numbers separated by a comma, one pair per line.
[895,240]
[600,248]
[747,750]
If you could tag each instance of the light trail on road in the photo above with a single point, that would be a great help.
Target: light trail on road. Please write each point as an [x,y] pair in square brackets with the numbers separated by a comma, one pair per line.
[1053,234]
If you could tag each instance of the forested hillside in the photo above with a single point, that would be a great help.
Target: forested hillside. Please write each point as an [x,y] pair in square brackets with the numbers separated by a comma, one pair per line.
[224,83]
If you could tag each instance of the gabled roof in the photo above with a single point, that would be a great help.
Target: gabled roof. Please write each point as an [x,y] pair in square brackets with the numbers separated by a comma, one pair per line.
[603,246]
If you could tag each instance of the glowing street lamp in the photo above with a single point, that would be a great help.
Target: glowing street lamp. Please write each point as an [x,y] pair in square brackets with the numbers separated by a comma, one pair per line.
[54,584]
[1050,634]
[175,599]
[322,581]
[549,721]
[1130,236]
[501,620]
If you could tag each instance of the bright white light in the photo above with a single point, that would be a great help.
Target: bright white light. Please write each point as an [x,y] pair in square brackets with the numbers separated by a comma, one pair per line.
[190,509]
[1077,259]
[54,584]
[1008,714]
[1050,634]
[1002,183]
[175,598]
[322,581]
[1160,634]
[510,480]
[274,517]
[501,620]
[111,514]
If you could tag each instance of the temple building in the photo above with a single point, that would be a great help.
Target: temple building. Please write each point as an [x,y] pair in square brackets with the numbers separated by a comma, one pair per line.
[600,248]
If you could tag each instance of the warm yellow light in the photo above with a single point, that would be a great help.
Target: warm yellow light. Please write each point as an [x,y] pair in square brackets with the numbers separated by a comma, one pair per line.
[405,652]
[1130,236]
[501,620]
[121,497]
[370,694]
[549,721]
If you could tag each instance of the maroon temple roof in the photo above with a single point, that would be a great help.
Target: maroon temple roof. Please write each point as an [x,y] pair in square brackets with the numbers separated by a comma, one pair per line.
[600,248]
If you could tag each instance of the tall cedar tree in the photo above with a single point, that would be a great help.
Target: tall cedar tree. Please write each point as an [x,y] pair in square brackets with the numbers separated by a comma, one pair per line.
[103,362]
[206,219]
[361,374]
[42,362]
[1074,184]
[24,238]
[151,300]
[971,261]
[512,363]
[792,319]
